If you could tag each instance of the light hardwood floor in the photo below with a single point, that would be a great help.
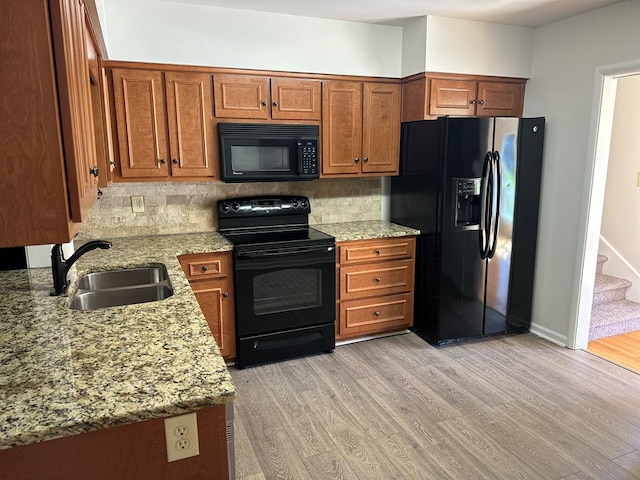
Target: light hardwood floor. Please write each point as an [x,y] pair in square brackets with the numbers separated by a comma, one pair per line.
[514,407]
[622,349]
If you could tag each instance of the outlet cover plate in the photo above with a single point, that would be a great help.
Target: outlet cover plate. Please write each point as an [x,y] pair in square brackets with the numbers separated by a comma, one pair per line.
[181,436]
[137,204]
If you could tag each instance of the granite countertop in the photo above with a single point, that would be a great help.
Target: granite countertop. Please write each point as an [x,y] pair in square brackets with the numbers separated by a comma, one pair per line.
[64,372]
[364,230]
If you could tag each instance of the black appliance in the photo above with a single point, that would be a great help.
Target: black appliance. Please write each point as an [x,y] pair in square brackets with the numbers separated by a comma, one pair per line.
[472,187]
[268,152]
[285,274]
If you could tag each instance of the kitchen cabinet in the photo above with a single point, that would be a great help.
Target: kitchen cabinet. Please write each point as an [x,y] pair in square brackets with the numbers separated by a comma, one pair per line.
[258,97]
[152,145]
[375,286]
[50,169]
[430,95]
[360,128]
[211,278]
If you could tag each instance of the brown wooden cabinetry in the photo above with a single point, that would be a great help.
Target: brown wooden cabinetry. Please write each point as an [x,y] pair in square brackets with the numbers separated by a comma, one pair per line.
[431,95]
[360,128]
[211,278]
[49,180]
[257,97]
[151,145]
[375,286]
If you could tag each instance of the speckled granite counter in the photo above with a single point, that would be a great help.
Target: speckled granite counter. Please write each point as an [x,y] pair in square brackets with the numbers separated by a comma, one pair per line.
[364,230]
[64,372]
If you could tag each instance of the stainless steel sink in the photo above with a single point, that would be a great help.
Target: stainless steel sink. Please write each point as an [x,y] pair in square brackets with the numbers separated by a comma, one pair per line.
[123,278]
[121,287]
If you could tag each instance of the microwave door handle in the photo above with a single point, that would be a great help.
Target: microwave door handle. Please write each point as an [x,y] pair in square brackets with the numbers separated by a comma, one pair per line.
[299,157]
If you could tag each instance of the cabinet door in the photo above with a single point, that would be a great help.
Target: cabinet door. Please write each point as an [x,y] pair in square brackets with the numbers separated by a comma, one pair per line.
[295,99]
[341,127]
[375,315]
[241,96]
[500,99]
[453,97]
[192,133]
[216,301]
[75,105]
[381,128]
[141,124]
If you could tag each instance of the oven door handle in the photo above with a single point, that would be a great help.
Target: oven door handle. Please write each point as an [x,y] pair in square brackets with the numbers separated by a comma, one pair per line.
[281,252]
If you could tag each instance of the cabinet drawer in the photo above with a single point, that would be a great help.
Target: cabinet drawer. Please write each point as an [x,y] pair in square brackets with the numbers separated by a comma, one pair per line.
[375,315]
[205,266]
[354,252]
[381,278]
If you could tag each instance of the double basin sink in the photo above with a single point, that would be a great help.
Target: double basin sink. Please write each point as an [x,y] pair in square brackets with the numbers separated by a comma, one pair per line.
[121,287]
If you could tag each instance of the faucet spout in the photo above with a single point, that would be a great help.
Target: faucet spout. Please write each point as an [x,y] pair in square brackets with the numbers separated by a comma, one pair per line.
[60,267]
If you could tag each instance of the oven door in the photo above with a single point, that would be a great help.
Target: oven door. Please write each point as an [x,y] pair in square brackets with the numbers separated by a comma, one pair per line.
[281,289]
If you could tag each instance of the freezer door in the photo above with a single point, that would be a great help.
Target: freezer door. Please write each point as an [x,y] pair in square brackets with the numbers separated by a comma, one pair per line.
[505,149]
[462,272]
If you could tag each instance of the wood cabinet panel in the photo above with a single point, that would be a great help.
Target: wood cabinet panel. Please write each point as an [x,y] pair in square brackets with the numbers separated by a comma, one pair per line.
[341,127]
[141,123]
[211,278]
[375,250]
[190,120]
[453,97]
[378,315]
[241,96]
[500,99]
[381,128]
[381,278]
[295,99]
[375,286]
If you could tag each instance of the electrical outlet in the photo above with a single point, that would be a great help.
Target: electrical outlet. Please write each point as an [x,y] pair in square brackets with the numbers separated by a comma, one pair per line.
[137,204]
[181,436]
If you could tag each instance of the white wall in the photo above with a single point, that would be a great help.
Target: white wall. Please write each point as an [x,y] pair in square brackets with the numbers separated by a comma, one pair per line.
[620,217]
[168,32]
[414,47]
[566,55]
[464,46]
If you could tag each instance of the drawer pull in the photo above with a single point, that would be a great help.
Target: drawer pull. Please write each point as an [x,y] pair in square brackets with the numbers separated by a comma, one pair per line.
[377,314]
[204,268]
[225,294]
[377,279]
[378,252]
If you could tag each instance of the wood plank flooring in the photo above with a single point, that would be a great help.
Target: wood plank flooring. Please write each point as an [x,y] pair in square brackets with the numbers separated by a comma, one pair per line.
[622,349]
[514,407]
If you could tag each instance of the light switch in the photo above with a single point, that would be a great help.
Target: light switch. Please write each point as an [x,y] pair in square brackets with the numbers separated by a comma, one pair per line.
[638,180]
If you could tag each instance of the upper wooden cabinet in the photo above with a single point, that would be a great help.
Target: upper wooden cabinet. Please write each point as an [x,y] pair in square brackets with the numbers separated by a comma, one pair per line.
[182,144]
[432,95]
[256,97]
[49,180]
[360,128]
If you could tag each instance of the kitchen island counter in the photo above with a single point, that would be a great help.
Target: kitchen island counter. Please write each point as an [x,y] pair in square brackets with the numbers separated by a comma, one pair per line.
[66,372]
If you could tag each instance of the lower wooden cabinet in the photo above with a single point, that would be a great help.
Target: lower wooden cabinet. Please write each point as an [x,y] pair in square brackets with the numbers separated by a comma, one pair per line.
[375,281]
[211,278]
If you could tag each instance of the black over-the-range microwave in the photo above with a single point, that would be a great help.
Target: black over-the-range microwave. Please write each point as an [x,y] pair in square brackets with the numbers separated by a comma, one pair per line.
[254,152]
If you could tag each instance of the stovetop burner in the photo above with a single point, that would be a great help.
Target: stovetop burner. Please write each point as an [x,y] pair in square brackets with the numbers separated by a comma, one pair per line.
[282,237]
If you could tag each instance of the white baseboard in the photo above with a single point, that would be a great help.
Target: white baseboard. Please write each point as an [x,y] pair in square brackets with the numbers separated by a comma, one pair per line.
[548,334]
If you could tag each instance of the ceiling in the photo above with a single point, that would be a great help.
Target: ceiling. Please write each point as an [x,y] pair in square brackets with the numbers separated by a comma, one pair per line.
[530,13]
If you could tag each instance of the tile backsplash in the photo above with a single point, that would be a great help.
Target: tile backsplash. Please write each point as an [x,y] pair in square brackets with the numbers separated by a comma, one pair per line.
[191,207]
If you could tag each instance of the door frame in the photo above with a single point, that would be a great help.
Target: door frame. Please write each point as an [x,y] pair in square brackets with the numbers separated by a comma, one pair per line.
[599,142]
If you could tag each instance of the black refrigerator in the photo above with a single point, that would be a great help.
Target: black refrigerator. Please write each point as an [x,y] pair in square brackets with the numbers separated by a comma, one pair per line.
[472,187]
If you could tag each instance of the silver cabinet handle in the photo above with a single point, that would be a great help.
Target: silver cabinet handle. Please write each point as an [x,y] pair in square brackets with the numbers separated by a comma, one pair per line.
[481,102]
[472,102]
[377,314]
[357,160]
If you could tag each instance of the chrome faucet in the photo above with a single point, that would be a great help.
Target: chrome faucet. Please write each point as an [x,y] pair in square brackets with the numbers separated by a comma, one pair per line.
[60,267]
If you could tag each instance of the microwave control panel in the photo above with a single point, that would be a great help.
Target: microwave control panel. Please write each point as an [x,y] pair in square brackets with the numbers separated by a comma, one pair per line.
[308,163]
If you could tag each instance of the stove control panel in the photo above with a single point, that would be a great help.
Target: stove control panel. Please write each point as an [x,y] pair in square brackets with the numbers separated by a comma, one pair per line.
[264,205]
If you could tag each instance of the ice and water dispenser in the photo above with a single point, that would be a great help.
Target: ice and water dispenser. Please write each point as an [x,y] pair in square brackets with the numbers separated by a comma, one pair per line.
[466,197]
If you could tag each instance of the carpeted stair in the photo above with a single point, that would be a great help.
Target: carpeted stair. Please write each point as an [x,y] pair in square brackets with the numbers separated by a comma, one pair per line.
[611,313]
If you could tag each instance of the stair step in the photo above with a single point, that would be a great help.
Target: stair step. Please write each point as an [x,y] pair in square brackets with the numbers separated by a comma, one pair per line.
[600,262]
[609,289]
[614,318]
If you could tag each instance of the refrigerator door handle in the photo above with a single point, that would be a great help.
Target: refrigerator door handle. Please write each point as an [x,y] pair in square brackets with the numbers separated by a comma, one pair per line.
[484,206]
[497,184]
